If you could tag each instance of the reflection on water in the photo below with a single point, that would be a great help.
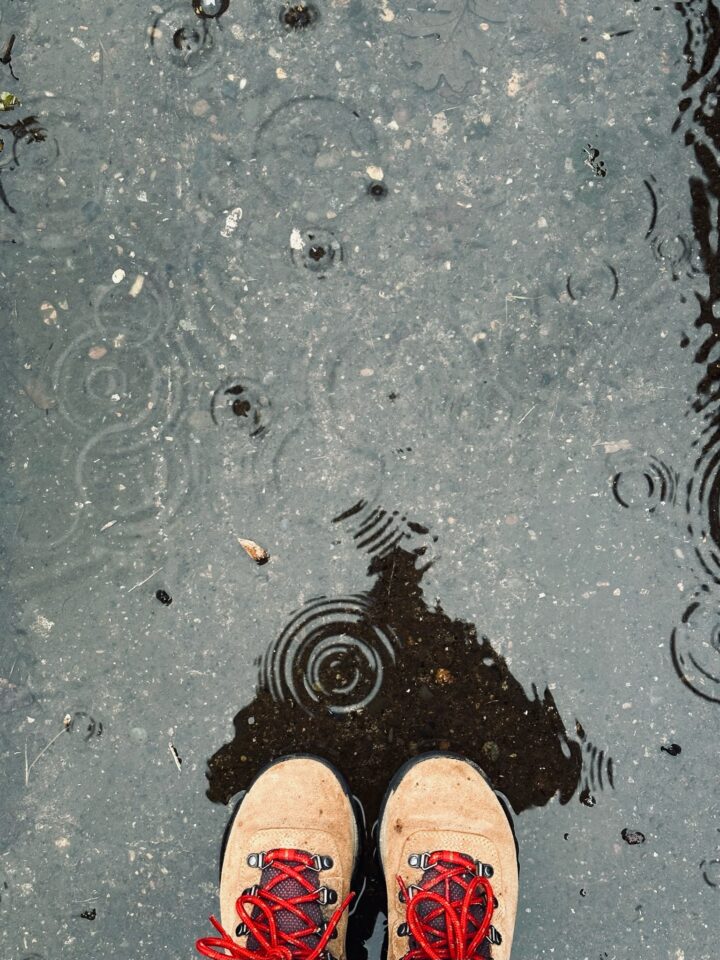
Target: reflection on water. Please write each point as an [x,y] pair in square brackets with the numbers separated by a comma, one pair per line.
[330,657]
[372,679]
[695,644]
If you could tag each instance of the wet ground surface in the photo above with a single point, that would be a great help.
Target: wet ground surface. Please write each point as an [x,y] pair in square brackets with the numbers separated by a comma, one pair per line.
[425,303]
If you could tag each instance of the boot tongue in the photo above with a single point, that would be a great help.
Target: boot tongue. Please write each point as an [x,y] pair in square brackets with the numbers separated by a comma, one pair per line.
[274,880]
[452,891]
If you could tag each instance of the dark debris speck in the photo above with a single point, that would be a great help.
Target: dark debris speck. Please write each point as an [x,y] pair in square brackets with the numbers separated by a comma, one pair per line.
[672,748]
[240,408]
[633,837]
[298,15]
[185,40]
[587,798]
[164,597]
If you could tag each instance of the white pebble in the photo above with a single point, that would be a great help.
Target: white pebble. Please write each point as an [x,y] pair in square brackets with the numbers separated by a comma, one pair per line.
[118,276]
[231,222]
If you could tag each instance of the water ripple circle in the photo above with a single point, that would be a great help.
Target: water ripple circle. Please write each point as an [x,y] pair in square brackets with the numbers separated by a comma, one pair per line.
[331,657]
[84,726]
[315,151]
[103,388]
[184,43]
[317,250]
[644,485]
[50,168]
[711,872]
[702,502]
[135,309]
[695,646]
[241,405]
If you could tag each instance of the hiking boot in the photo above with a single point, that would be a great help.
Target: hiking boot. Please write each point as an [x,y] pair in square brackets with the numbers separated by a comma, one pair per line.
[450,860]
[286,867]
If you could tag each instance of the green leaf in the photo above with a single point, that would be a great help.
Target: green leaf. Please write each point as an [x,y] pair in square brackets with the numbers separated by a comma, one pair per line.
[8,101]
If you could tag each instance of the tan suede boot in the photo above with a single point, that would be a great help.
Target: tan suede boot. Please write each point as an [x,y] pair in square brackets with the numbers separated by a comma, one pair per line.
[287,865]
[450,859]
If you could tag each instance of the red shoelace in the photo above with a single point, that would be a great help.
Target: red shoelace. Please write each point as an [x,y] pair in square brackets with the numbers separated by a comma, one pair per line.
[443,924]
[258,910]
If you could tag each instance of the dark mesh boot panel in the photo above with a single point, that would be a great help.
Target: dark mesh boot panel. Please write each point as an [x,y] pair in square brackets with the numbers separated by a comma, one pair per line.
[452,891]
[286,920]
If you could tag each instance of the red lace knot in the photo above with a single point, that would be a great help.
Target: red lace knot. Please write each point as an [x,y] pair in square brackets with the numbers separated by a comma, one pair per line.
[281,916]
[449,915]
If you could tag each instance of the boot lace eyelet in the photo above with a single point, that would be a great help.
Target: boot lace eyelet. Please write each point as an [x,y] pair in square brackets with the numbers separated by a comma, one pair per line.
[419,861]
[494,936]
[290,886]
[325,896]
[453,886]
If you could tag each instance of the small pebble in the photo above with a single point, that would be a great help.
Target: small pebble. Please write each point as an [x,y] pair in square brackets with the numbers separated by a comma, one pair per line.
[443,676]
[118,276]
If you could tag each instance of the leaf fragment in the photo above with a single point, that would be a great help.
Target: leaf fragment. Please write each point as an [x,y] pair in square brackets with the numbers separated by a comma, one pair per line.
[254,550]
[8,101]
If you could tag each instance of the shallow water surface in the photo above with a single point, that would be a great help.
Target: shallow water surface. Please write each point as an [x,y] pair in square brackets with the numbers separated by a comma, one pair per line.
[425,302]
